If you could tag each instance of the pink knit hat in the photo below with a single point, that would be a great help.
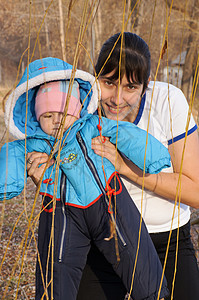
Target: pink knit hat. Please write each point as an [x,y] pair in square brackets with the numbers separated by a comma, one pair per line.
[51,97]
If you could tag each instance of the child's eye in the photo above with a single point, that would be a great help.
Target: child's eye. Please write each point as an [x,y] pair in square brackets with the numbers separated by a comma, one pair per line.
[47,116]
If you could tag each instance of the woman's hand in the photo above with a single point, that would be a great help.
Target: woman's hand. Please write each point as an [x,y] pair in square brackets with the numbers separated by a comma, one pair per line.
[109,151]
[36,163]
[159,183]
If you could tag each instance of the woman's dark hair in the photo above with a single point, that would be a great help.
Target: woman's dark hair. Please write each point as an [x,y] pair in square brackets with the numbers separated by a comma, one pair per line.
[135,58]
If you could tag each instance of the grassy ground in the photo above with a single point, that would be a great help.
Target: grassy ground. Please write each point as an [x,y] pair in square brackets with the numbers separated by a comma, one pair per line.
[19,246]
[20,250]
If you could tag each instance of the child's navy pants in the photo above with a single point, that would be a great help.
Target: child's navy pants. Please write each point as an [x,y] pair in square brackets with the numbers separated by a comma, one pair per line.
[74,229]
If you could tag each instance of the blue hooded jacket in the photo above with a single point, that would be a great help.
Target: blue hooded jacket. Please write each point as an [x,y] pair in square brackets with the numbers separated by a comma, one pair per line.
[85,177]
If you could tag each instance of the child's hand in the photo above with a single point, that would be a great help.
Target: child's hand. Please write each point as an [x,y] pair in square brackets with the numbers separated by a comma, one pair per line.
[108,150]
[36,163]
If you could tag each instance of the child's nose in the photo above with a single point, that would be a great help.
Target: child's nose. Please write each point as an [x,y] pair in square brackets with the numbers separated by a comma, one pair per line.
[57,118]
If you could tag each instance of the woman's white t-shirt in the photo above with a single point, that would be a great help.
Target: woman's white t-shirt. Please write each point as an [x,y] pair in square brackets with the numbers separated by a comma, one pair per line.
[168,110]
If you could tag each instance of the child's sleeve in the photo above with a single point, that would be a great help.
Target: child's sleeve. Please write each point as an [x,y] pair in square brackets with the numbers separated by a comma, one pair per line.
[141,148]
[12,164]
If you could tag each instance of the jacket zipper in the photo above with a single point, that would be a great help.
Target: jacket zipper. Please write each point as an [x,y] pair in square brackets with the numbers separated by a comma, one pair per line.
[96,176]
[62,194]
[62,197]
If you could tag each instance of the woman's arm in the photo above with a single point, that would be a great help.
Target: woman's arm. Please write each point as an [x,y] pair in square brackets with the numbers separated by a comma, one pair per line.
[163,184]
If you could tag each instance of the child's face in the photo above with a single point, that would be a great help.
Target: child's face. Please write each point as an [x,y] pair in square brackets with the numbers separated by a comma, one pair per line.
[50,122]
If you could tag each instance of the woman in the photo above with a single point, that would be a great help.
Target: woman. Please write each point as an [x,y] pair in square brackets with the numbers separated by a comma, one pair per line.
[126,93]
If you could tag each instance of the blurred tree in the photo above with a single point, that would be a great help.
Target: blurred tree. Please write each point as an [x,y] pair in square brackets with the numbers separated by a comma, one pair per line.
[191,10]
[192,49]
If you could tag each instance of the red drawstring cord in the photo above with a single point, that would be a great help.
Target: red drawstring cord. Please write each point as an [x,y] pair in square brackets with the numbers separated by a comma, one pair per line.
[110,191]
[99,127]
[48,180]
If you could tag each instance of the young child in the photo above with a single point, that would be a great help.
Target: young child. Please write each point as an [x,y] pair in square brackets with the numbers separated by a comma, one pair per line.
[86,192]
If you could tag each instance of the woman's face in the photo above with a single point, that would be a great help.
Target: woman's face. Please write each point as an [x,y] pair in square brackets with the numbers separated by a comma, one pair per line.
[120,101]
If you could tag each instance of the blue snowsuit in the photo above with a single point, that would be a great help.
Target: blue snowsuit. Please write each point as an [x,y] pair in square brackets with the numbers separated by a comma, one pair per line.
[84,192]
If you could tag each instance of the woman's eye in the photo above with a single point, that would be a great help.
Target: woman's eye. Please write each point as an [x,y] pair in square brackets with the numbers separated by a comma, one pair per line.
[109,83]
[131,87]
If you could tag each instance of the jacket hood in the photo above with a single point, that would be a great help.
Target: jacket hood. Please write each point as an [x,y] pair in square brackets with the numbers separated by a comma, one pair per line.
[20,118]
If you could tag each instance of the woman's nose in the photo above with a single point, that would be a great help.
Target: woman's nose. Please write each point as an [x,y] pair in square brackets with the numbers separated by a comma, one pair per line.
[118,98]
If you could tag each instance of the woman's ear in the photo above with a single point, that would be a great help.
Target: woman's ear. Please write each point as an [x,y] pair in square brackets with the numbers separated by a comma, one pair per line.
[149,79]
[146,86]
